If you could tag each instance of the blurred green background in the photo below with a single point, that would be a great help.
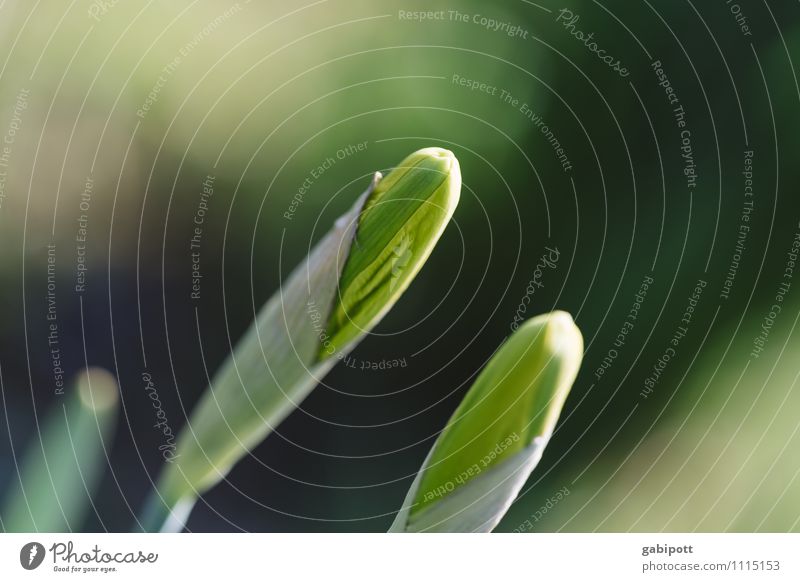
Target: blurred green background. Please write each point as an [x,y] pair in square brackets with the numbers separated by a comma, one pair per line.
[145,101]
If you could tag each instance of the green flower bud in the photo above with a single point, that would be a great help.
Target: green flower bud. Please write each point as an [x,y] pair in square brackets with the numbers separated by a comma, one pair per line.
[497,434]
[400,223]
[331,300]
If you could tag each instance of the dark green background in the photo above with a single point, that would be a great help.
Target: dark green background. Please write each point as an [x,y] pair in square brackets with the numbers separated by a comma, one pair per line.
[281,88]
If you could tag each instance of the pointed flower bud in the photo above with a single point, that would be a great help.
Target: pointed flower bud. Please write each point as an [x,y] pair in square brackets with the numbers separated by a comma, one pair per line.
[328,304]
[497,434]
[401,222]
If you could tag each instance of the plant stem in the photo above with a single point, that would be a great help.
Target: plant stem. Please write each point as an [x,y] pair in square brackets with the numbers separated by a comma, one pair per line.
[161,517]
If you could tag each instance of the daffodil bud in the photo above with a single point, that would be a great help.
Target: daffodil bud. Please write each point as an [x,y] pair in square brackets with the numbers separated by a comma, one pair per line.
[497,434]
[401,222]
[332,299]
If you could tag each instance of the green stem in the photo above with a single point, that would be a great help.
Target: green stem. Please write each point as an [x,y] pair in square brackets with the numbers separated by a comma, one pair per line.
[160,516]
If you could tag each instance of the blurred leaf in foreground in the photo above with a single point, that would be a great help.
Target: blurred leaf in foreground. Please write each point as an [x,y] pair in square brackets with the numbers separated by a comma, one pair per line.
[59,473]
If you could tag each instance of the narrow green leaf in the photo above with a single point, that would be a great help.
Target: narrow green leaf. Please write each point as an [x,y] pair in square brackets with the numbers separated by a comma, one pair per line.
[497,434]
[60,472]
